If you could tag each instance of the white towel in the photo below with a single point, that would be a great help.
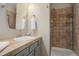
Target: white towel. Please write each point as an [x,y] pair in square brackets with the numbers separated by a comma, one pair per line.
[33,23]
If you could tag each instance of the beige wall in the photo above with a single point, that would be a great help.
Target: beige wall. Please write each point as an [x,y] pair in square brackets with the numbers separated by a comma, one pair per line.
[41,11]
[5,31]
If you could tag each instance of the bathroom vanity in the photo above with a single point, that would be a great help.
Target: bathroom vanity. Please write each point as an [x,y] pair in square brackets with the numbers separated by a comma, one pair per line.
[32,50]
[31,47]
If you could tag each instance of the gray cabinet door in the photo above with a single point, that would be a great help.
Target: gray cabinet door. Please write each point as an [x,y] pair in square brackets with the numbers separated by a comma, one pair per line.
[37,51]
[33,46]
[31,54]
[24,52]
[32,50]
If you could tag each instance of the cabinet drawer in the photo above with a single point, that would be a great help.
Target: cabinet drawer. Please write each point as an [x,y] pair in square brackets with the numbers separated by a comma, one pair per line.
[33,46]
[24,52]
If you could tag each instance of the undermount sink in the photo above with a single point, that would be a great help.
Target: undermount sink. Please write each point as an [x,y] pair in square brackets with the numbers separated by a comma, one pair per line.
[3,45]
[23,38]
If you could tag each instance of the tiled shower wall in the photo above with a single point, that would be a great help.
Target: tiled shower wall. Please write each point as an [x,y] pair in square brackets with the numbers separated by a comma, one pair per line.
[61,26]
[76,28]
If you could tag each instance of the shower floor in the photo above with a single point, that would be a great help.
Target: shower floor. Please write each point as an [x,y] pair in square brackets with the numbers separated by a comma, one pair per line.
[62,52]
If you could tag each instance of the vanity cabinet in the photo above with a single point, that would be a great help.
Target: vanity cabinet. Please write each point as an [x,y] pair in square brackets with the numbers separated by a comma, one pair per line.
[32,53]
[37,51]
[31,50]
[23,52]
